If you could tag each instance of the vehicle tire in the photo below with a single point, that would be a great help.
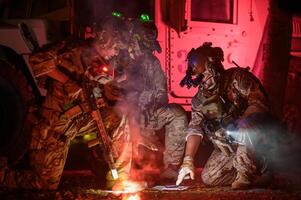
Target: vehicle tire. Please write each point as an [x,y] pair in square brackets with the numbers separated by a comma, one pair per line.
[16,121]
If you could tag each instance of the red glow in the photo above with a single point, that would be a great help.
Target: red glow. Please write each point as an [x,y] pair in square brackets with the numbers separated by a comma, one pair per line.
[132,197]
[105,69]
[129,189]
[240,41]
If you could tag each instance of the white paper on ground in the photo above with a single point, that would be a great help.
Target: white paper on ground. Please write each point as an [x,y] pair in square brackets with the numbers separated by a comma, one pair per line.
[170,187]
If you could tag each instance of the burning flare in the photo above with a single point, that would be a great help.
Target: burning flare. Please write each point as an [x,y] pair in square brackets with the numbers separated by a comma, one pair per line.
[127,186]
[131,197]
[129,189]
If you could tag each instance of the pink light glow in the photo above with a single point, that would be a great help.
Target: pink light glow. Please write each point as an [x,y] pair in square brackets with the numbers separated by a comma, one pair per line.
[240,41]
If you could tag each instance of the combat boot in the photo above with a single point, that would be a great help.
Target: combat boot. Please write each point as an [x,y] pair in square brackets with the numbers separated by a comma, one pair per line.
[242,182]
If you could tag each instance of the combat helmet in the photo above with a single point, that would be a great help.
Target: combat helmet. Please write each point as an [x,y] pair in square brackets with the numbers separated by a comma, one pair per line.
[146,33]
[206,58]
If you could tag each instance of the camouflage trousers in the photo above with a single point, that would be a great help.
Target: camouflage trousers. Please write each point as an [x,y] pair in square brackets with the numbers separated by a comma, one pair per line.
[251,157]
[47,156]
[45,170]
[173,118]
[221,170]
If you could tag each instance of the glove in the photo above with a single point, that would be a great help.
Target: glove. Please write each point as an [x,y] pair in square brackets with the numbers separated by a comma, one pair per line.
[186,170]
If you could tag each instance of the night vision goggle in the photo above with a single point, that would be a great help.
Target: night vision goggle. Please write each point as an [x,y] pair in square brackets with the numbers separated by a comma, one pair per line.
[192,63]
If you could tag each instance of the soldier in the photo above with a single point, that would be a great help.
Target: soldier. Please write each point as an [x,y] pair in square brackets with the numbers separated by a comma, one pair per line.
[226,97]
[60,70]
[145,96]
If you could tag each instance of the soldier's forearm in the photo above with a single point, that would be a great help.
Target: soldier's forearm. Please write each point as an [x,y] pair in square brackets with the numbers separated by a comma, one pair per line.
[192,145]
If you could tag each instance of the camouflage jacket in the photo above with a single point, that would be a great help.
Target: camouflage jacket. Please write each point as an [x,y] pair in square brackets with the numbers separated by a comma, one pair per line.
[146,82]
[237,87]
[60,70]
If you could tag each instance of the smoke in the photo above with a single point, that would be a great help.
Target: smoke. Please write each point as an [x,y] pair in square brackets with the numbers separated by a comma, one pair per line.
[272,140]
[129,79]
[146,149]
[147,152]
[285,152]
[285,159]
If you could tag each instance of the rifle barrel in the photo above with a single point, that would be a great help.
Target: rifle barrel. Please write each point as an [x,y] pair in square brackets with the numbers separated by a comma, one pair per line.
[235,63]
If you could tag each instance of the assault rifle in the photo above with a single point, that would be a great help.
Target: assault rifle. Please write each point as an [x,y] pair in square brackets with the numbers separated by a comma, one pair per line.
[103,138]
[215,130]
[219,128]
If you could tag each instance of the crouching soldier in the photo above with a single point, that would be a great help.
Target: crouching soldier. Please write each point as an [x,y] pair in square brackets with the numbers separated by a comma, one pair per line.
[145,99]
[226,98]
[60,70]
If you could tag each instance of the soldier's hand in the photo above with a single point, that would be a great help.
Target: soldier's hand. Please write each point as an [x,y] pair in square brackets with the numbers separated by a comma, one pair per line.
[186,170]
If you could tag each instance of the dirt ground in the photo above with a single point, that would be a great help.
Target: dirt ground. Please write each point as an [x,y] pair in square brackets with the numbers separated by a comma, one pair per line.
[82,185]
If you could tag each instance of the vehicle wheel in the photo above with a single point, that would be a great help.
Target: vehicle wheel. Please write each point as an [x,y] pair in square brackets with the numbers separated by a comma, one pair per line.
[15,122]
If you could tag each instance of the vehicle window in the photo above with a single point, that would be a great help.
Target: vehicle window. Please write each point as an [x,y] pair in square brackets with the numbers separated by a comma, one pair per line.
[212,11]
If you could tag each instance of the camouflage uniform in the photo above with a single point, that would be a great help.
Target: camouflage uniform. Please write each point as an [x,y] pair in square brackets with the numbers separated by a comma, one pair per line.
[145,87]
[238,87]
[48,152]
[61,116]
[143,102]
[154,99]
